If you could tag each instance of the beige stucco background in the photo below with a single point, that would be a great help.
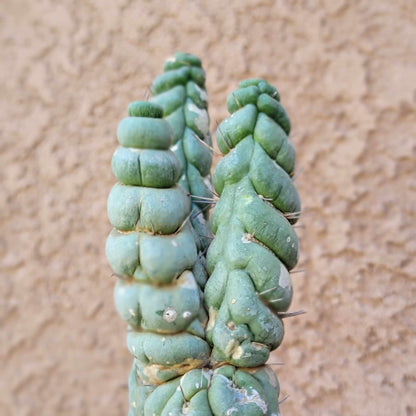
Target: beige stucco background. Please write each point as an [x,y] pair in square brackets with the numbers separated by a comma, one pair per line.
[346,71]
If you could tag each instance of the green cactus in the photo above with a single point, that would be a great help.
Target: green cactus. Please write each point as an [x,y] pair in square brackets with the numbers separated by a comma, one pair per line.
[160,236]
[153,249]
[181,92]
[255,245]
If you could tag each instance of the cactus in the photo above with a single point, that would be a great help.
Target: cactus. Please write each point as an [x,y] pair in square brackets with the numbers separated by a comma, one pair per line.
[201,392]
[160,236]
[153,250]
[255,245]
[181,92]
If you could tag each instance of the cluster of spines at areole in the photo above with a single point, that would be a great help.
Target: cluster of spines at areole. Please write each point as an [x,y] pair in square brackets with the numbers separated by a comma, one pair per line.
[188,361]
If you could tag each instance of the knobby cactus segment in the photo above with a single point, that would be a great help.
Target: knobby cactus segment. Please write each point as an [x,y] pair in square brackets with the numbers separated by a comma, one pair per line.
[160,235]
[153,250]
[255,245]
[226,391]
[181,92]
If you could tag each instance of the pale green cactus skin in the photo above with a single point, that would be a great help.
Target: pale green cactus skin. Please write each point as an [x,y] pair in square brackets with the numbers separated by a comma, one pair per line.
[181,92]
[255,245]
[225,391]
[157,246]
[153,250]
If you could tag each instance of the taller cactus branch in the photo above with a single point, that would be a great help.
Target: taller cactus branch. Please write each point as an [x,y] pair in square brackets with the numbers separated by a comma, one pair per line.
[181,92]
[255,245]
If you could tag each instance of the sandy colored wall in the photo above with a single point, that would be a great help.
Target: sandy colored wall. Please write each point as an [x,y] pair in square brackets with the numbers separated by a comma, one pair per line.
[346,71]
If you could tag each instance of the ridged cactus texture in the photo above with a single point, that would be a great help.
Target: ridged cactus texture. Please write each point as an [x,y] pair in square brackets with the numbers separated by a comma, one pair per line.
[225,391]
[153,249]
[255,245]
[185,363]
[181,92]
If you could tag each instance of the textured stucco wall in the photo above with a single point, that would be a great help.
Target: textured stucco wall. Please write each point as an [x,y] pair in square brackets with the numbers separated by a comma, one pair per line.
[346,71]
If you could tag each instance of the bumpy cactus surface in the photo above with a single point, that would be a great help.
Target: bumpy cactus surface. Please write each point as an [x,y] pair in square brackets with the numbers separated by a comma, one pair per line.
[225,391]
[255,245]
[184,362]
[181,92]
[153,249]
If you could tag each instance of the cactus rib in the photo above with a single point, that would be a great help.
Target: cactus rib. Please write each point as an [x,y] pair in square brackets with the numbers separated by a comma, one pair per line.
[160,300]
[255,245]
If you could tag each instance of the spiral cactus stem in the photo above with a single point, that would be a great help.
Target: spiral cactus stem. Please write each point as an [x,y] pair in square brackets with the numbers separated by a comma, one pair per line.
[283,315]
[255,246]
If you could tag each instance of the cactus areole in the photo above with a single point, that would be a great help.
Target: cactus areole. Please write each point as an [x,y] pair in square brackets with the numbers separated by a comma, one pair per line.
[203,297]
